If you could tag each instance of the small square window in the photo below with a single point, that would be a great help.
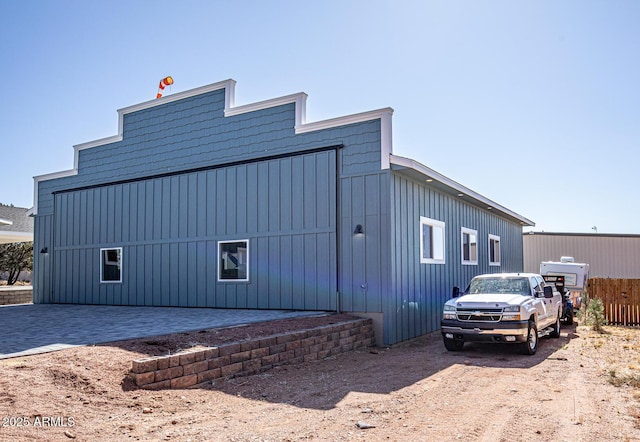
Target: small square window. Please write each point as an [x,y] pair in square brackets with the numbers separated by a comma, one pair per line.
[432,241]
[469,246]
[111,265]
[233,260]
[494,250]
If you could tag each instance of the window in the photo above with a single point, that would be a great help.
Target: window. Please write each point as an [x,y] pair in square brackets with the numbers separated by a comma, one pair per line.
[111,265]
[541,284]
[494,250]
[233,259]
[431,241]
[469,246]
[537,284]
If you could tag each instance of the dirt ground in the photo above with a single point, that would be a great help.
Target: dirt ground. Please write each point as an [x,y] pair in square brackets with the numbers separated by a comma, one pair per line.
[584,386]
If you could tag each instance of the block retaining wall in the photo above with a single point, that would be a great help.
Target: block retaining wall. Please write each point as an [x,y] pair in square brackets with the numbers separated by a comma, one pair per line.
[16,295]
[200,367]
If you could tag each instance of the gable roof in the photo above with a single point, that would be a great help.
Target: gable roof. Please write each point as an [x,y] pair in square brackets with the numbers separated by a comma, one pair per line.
[15,224]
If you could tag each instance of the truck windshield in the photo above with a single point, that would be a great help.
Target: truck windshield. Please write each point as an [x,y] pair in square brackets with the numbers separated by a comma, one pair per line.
[514,286]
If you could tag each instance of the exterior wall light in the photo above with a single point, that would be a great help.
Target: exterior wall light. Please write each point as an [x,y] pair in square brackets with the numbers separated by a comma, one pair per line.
[44,250]
[358,230]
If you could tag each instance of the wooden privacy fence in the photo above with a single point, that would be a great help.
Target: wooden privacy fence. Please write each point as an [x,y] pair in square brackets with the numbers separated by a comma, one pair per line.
[621,299]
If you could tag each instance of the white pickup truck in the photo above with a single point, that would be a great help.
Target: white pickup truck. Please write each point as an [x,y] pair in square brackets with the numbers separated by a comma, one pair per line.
[502,307]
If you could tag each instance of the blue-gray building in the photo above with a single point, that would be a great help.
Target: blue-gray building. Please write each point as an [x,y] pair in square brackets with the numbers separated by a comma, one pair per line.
[197,202]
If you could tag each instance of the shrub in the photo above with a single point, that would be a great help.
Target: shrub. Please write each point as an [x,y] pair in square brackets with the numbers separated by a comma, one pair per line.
[594,314]
[14,258]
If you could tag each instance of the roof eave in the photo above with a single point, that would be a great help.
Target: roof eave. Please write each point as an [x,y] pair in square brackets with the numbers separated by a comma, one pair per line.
[399,163]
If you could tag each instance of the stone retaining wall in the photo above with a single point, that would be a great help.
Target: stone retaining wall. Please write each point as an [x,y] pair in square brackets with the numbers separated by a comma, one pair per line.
[199,367]
[16,295]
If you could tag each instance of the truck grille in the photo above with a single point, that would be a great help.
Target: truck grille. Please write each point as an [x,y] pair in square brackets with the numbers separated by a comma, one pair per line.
[479,314]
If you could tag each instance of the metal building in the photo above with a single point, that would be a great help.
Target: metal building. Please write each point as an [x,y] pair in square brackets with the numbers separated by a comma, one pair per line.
[608,255]
[197,202]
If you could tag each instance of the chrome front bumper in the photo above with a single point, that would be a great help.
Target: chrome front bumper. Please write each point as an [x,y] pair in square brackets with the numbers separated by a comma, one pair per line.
[486,331]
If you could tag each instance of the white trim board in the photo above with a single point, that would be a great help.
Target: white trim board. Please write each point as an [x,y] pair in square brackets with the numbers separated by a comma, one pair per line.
[464,192]
[300,126]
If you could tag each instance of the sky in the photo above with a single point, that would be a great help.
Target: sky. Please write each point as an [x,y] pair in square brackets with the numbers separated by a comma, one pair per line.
[532,104]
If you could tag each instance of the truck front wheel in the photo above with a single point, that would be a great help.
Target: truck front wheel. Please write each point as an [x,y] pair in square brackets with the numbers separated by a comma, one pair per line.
[453,344]
[531,345]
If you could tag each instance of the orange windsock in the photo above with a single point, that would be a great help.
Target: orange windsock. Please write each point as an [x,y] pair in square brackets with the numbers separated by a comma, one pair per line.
[166,81]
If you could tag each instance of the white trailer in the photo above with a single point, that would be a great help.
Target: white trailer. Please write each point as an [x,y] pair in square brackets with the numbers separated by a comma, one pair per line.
[576,276]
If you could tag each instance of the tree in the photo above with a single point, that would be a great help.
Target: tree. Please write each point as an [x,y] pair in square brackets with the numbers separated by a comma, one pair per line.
[15,258]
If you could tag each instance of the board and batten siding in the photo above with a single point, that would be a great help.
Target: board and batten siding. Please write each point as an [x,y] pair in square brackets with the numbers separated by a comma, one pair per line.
[419,290]
[169,227]
[42,240]
[364,258]
[156,165]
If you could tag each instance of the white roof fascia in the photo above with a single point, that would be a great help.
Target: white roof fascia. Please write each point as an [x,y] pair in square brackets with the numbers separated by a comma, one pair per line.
[436,176]
[49,176]
[299,99]
[226,84]
[384,115]
[229,85]
[300,127]
[343,121]
[386,139]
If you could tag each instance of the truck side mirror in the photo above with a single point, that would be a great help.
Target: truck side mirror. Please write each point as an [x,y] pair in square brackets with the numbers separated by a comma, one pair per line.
[456,292]
[548,292]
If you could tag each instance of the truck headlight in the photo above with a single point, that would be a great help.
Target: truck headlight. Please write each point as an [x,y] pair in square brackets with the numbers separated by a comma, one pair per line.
[449,312]
[511,317]
[511,313]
